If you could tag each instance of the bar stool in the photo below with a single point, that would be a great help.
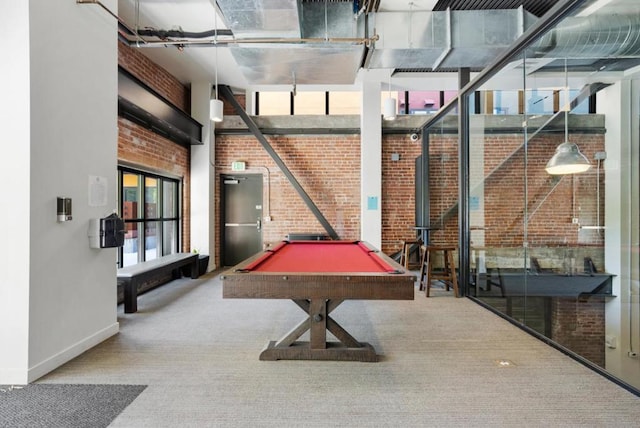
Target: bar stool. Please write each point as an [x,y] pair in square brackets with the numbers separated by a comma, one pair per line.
[405,255]
[447,275]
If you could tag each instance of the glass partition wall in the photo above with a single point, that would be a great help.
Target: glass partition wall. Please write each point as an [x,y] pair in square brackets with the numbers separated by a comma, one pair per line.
[554,251]
[537,239]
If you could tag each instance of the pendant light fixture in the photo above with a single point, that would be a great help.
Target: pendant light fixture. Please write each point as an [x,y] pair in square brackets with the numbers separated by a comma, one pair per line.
[568,159]
[216,106]
[390,104]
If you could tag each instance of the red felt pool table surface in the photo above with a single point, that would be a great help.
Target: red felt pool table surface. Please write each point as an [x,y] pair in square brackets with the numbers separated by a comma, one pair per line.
[321,256]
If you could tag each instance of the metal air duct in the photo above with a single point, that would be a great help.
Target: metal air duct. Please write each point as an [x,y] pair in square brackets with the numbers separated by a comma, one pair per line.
[595,36]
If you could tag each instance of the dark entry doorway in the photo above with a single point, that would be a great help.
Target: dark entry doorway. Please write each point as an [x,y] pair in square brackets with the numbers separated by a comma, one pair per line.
[241,217]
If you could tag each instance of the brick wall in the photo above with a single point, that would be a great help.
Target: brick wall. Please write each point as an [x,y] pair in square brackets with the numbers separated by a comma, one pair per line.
[579,324]
[553,201]
[321,162]
[327,168]
[398,191]
[144,149]
[154,76]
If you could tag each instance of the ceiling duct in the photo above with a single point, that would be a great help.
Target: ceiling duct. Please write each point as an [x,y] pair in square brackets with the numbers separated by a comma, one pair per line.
[261,18]
[595,36]
[444,40]
[308,42]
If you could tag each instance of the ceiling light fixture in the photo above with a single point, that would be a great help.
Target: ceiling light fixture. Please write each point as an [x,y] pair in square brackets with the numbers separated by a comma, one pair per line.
[568,159]
[216,107]
[390,107]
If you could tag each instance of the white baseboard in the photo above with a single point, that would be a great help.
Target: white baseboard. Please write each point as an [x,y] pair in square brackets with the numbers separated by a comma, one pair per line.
[71,352]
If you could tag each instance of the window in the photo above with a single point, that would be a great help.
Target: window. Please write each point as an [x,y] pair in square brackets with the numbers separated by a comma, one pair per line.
[151,212]
[274,103]
[344,102]
[310,103]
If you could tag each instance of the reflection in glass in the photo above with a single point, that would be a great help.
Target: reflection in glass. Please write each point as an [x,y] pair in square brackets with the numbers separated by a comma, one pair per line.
[169,199]
[130,195]
[169,237]
[130,255]
[151,235]
[151,193]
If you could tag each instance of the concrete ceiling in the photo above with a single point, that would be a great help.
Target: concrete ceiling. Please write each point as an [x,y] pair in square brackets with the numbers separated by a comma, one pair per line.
[246,61]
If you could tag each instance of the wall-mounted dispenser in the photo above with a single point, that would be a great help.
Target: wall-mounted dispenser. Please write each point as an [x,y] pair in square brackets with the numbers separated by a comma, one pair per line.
[64,209]
[106,232]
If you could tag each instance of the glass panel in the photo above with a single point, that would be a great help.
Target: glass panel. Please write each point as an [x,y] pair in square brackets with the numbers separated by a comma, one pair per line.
[130,195]
[423,102]
[274,103]
[443,181]
[505,102]
[151,195]
[309,103]
[169,237]
[449,95]
[151,234]
[344,102]
[559,253]
[169,199]
[132,237]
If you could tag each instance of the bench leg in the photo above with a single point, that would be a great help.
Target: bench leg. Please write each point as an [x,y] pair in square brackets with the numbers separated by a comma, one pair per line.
[130,297]
[195,268]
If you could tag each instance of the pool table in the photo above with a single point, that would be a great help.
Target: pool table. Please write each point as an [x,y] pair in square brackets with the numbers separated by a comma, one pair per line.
[318,276]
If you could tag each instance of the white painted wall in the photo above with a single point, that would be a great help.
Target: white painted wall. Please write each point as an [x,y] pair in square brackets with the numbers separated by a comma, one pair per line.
[621,194]
[203,175]
[66,294]
[14,174]
[371,164]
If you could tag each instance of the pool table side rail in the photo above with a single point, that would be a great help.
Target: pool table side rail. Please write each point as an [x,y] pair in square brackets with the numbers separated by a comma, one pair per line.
[240,283]
[310,285]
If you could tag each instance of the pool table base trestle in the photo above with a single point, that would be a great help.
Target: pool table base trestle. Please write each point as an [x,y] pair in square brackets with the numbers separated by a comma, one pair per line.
[318,323]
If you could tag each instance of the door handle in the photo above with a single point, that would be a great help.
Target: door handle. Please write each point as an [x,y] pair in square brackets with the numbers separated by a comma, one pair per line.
[259,224]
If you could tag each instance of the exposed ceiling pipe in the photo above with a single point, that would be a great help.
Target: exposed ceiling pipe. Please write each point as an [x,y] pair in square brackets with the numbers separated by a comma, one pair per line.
[121,22]
[280,41]
[165,34]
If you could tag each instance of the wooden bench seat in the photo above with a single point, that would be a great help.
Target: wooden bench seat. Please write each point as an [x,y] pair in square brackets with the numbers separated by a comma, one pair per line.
[132,276]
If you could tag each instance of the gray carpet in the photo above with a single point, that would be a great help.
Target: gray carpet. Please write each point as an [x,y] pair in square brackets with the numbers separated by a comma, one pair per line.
[440,366]
[63,405]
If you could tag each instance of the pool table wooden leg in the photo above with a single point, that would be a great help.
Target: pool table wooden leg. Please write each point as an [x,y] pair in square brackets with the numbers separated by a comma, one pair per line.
[318,322]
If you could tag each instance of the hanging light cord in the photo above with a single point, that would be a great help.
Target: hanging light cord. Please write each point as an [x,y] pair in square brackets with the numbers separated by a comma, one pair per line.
[566,107]
[215,42]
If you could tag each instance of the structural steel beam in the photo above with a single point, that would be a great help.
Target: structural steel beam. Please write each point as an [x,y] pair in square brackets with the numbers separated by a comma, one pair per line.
[226,93]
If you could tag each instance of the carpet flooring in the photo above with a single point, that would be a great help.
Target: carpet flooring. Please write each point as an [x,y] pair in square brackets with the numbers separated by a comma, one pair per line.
[444,362]
[64,406]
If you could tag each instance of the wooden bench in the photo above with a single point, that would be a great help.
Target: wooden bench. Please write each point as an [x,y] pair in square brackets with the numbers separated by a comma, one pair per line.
[132,276]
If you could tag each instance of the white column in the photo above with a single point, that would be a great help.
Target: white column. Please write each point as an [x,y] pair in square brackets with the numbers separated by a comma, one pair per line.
[203,175]
[371,164]
[14,254]
[619,104]
[59,116]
